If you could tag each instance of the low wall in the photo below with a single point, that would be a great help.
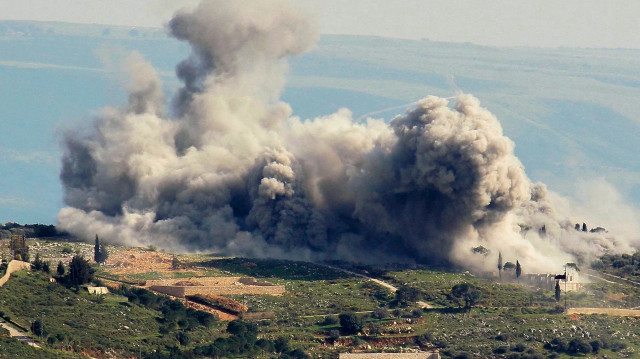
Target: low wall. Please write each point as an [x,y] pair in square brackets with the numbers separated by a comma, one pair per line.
[608,311]
[219,290]
[172,291]
[214,286]
[235,289]
[205,281]
[428,355]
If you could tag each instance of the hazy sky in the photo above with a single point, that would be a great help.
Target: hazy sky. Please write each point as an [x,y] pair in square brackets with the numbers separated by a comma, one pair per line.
[572,23]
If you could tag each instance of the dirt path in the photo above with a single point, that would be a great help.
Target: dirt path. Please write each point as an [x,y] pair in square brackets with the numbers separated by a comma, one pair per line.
[14,332]
[14,266]
[611,278]
[17,334]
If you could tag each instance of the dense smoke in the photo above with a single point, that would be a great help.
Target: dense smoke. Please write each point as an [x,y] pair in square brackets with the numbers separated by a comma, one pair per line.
[234,171]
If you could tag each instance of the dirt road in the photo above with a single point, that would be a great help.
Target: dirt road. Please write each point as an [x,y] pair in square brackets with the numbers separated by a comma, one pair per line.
[17,334]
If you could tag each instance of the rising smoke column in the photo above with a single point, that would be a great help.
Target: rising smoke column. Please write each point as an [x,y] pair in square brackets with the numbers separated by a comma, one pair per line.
[234,171]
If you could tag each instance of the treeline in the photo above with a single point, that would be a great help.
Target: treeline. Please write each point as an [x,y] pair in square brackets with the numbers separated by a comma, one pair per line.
[243,342]
[623,265]
[32,230]
[174,313]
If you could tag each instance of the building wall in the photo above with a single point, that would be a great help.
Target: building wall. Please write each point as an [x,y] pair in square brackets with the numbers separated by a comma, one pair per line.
[97,290]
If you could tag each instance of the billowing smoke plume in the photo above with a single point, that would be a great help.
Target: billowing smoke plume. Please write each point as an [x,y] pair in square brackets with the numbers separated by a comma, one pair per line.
[233,171]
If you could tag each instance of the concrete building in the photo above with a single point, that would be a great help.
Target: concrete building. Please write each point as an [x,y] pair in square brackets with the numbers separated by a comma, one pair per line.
[98,290]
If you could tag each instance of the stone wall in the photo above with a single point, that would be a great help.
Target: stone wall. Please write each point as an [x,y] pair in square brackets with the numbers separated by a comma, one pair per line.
[172,291]
[607,311]
[215,286]
[426,355]
[208,281]
[235,289]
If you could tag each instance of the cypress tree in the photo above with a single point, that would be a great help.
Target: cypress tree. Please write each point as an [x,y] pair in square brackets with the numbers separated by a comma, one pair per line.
[96,250]
[557,291]
[60,269]
[518,269]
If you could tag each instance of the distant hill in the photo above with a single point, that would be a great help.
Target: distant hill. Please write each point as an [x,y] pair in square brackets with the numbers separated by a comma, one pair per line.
[572,113]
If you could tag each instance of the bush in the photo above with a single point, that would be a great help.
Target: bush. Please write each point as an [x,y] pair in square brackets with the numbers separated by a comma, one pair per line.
[595,345]
[351,323]
[183,338]
[579,345]
[617,346]
[501,350]
[330,320]
[503,337]
[520,348]
[380,313]
[334,336]
[463,356]
[559,345]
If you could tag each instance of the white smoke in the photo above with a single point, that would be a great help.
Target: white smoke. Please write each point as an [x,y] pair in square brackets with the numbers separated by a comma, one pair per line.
[234,171]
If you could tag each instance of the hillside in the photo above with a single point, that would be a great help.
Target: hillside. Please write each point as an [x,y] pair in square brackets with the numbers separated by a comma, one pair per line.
[507,320]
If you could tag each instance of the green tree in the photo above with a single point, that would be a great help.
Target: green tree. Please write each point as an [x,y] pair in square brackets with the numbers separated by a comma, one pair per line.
[282,345]
[350,323]
[480,250]
[334,336]
[465,293]
[103,253]
[100,253]
[183,338]
[36,328]
[557,291]
[46,267]
[37,262]
[518,269]
[500,264]
[80,271]
[579,345]
[406,295]
[96,250]
[60,269]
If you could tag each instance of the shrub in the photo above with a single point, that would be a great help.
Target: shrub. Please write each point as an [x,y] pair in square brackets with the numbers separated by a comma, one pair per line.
[351,323]
[579,345]
[520,348]
[595,345]
[559,345]
[183,338]
[380,313]
[502,337]
[330,320]
[501,350]
[617,346]
[334,336]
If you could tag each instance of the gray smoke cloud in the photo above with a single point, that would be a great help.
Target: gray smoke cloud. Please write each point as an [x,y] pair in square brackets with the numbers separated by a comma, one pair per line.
[234,171]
